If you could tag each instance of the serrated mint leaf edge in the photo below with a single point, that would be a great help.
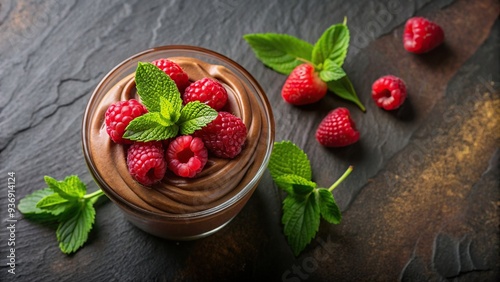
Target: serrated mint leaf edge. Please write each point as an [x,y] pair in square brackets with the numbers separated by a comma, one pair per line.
[333,44]
[301,219]
[328,207]
[75,185]
[279,165]
[280,52]
[152,83]
[27,205]
[73,232]
[344,89]
[331,71]
[62,188]
[153,134]
[168,113]
[302,189]
[194,116]
[150,127]
[54,204]
[286,181]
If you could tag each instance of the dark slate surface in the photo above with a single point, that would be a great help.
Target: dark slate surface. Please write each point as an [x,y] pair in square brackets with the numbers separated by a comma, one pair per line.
[421,205]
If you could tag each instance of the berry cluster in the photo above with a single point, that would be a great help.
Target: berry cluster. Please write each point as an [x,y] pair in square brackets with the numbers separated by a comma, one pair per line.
[337,129]
[184,155]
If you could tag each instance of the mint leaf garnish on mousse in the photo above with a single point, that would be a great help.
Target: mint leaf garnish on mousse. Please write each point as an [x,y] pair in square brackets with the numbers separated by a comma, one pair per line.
[166,116]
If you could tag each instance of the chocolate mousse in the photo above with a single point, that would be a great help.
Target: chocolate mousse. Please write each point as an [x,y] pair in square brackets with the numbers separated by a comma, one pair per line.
[221,179]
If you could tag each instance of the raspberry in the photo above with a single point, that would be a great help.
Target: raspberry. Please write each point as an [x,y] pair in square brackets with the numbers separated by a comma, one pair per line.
[186,156]
[119,115]
[303,86]
[421,35]
[146,162]
[389,92]
[175,72]
[337,129]
[208,91]
[224,136]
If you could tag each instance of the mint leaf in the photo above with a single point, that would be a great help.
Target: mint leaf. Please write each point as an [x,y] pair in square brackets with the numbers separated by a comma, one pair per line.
[328,207]
[152,83]
[286,182]
[64,188]
[73,232]
[287,158]
[168,113]
[344,89]
[331,71]
[280,52]
[303,189]
[332,44]
[194,116]
[27,206]
[74,186]
[301,217]
[150,127]
[55,204]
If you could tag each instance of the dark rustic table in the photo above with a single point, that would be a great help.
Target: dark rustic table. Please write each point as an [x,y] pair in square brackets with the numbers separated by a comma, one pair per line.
[421,205]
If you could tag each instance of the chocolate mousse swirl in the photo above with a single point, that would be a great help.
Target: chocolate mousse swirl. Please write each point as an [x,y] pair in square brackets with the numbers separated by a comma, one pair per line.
[220,180]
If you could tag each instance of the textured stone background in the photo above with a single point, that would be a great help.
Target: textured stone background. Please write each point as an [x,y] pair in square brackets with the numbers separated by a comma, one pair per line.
[421,205]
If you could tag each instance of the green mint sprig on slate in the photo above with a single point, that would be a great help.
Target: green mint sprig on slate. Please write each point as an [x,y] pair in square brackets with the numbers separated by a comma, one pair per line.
[166,115]
[67,203]
[282,53]
[305,203]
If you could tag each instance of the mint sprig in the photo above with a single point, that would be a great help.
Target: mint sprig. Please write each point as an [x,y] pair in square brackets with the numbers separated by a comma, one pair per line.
[282,53]
[166,115]
[305,203]
[67,203]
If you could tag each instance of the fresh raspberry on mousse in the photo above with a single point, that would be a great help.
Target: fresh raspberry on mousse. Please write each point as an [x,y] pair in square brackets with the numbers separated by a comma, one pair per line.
[146,162]
[224,136]
[186,156]
[119,115]
[175,72]
[208,91]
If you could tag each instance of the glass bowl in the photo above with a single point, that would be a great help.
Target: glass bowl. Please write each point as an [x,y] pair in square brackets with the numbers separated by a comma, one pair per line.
[175,208]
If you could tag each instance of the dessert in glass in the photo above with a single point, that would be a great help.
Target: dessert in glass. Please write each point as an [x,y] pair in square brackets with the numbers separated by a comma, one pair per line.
[180,208]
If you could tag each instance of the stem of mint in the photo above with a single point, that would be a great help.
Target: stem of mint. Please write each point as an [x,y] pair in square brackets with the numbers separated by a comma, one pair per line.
[344,176]
[95,194]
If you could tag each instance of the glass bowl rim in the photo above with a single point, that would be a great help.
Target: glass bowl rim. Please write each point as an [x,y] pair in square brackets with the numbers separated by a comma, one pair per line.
[264,103]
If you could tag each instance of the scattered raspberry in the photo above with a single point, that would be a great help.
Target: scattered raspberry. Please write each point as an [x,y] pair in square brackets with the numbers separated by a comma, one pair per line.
[224,136]
[208,91]
[146,162]
[421,35]
[175,72]
[337,129]
[119,115]
[389,92]
[303,86]
[186,156]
